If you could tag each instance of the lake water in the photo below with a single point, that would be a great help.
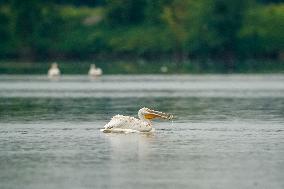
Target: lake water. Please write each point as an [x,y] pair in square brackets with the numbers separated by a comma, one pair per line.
[228,132]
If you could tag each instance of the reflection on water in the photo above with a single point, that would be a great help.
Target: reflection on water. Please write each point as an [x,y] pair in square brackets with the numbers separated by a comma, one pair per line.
[185,109]
[228,132]
[143,86]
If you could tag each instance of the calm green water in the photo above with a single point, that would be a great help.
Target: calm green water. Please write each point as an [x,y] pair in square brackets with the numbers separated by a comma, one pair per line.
[229,132]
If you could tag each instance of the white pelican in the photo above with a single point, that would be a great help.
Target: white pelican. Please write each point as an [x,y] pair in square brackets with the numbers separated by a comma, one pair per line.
[120,123]
[94,72]
[54,70]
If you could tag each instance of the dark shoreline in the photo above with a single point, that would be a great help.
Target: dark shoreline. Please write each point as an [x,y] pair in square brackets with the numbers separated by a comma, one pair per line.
[146,67]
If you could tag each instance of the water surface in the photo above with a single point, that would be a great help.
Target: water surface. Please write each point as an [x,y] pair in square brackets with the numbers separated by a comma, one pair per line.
[229,132]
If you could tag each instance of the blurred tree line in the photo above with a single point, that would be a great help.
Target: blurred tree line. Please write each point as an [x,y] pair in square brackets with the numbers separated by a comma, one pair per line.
[110,29]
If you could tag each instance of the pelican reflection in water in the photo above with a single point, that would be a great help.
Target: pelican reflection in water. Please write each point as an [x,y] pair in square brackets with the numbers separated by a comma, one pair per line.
[120,123]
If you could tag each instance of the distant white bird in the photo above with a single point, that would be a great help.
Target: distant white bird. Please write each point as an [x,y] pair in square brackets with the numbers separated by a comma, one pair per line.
[164,69]
[95,72]
[54,70]
[120,123]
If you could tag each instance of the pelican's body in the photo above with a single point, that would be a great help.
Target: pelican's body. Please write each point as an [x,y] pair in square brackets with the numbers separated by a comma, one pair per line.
[53,71]
[120,123]
[126,122]
[95,72]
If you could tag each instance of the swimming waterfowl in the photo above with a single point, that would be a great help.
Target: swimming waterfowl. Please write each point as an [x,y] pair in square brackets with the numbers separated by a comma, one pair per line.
[54,70]
[120,123]
[95,72]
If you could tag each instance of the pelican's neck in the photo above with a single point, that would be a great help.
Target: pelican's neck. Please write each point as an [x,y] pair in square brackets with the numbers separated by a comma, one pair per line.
[142,118]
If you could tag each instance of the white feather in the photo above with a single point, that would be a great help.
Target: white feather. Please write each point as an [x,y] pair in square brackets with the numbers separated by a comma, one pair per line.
[127,122]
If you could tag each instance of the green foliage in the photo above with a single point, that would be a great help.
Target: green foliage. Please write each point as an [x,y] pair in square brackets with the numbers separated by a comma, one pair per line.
[36,26]
[263,31]
[221,21]
[124,12]
[154,10]
[5,27]
[175,16]
[77,31]
[140,40]
[143,29]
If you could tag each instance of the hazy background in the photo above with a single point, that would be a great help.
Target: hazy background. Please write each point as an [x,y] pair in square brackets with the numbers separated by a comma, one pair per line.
[141,36]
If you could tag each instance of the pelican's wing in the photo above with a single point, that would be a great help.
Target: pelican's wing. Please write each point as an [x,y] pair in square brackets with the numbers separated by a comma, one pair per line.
[126,122]
[115,122]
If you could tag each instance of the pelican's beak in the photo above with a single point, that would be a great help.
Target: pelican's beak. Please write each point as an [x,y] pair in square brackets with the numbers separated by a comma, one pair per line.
[151,114]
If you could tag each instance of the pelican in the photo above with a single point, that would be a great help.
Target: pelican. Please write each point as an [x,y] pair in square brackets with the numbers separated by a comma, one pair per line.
[94,72]
[120,123]
[54,70]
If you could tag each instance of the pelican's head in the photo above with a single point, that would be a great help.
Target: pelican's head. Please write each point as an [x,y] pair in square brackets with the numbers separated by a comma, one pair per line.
[146,113]
[54,65]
